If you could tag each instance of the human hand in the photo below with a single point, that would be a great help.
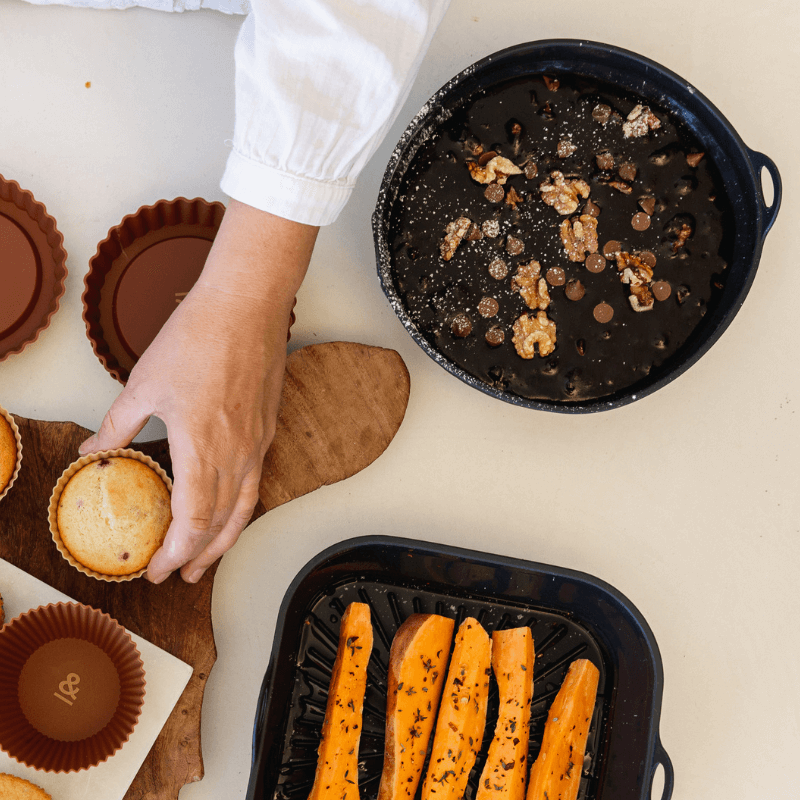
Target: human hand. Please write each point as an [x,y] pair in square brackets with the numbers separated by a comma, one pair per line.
[214,376]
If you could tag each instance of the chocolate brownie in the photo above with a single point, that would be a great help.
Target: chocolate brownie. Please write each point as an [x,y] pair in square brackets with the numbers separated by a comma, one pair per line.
[589,220]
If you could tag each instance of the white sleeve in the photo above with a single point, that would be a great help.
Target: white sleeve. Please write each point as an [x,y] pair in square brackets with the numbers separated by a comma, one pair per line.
[318,83]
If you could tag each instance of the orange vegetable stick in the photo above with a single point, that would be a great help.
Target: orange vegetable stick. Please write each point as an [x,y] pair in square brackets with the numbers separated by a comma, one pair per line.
[506,768]
[462,714]
[336,777]
[417,668]
[556,773]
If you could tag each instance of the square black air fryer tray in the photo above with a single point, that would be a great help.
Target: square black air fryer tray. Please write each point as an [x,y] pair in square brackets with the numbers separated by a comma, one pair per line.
[571,615]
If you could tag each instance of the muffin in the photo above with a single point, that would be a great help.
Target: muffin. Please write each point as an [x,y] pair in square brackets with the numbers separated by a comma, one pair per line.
[113,514]
[13,788]
[8,453]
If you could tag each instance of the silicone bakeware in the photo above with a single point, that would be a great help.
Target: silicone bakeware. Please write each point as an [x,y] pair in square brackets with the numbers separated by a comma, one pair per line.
[571,614]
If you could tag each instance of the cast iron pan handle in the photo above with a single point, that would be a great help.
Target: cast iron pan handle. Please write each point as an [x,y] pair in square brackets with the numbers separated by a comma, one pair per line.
[759,160]
[660,757]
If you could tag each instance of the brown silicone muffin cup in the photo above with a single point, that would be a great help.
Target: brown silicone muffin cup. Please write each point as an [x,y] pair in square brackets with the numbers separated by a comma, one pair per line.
[32,268]
[52,511]
[140,272]
[15,430]
[69,627]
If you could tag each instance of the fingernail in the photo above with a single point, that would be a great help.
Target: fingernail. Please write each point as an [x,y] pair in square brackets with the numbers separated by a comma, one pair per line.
[195,576]
[86,447]
[157,578]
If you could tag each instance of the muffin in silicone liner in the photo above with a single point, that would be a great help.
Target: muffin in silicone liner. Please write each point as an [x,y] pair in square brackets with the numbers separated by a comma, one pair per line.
[32,268]
[10,452]
[72,686]
[140,273]
[109,512]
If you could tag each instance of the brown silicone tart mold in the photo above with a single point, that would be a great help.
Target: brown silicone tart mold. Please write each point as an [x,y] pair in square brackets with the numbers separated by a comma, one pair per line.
[141,271]
[71,687]
[32,268]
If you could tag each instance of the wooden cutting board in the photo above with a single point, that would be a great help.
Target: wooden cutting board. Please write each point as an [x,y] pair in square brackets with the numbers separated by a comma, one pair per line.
[342,404]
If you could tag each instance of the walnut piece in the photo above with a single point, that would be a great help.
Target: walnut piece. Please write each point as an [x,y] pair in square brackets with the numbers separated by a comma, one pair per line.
[641,298]
[640,121]
[531,286]
[579,236]
[454,233]
[496,170]
[632,270]
[563,194]
[530,331]
[683,234]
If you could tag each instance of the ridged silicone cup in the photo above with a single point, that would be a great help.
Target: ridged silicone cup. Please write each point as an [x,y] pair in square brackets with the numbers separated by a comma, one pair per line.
[52,511]
[15,430]
[20,639]
[12,192]
[160,215]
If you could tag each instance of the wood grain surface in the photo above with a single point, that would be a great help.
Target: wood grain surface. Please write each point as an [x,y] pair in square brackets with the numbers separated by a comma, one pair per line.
[342,404]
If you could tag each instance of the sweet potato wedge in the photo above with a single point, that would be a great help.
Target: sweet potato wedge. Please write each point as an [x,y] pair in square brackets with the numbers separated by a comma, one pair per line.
[336,777]
[417,669]
[506,768]
[556,773]
[462,714]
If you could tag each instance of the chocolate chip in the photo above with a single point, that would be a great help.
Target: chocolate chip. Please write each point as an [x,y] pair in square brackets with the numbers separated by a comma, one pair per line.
[603,313]
[126,556]
[610,249]
[595,262]
[592,208]
[486,157]
[661,290]
[474,233]
[575,291]
[601,113]
[605,160]
[488,307]
[551,83]
[498,269]
[648,258]
[627,172]
[693,159]
[640,221]
[555,276]
[648,205]
[491,228]
[514,246]
[495,336]
[531,171]
[565,148]
[461,325]
[494,193]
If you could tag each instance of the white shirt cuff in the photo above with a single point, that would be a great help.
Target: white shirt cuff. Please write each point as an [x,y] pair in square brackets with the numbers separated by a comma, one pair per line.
[304,200]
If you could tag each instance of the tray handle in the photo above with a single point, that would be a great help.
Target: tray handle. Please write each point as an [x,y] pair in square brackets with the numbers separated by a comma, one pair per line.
[759,160]
[660,757]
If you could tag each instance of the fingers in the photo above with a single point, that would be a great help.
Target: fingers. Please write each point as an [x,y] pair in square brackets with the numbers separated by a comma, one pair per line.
[126,417]
[226,538]
[208,516]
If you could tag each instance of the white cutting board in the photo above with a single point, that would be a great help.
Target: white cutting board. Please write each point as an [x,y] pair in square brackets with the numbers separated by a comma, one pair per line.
[165,676]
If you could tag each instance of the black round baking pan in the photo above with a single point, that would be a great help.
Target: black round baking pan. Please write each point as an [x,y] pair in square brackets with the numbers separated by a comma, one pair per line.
[571,615]
[739,169]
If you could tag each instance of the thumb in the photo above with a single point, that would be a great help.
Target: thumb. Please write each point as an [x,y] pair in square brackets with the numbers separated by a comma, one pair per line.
[126,417]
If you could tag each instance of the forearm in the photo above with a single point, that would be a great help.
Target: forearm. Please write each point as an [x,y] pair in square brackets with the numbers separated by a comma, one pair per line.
[258,260]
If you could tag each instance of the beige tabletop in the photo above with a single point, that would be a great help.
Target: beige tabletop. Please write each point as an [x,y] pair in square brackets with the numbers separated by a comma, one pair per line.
[686,501]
